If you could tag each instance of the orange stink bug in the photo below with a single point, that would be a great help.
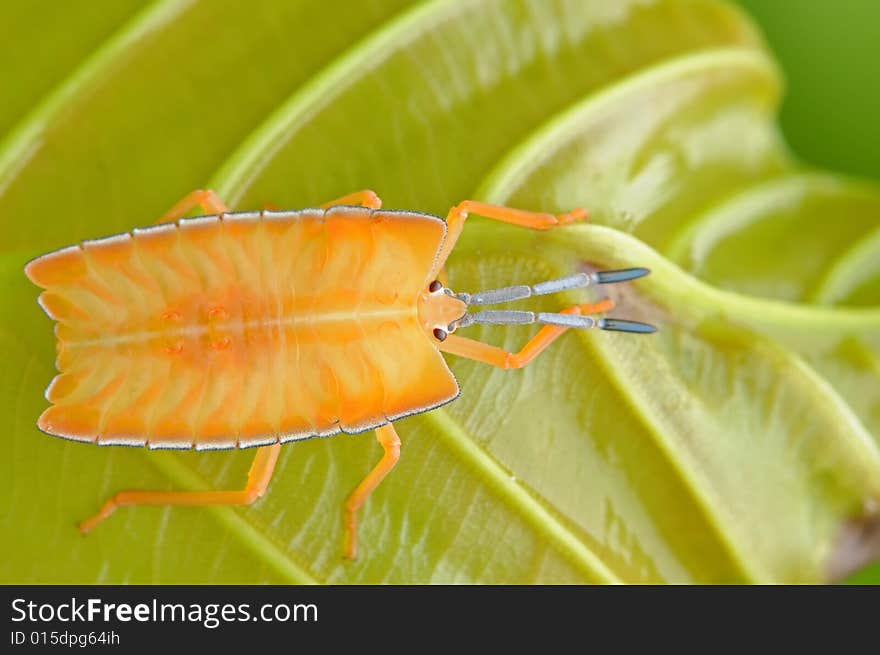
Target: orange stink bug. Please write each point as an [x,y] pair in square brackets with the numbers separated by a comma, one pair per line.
[253,329]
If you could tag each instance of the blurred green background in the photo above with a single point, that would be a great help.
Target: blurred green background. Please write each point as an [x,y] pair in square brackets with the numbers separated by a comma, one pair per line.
[830,55]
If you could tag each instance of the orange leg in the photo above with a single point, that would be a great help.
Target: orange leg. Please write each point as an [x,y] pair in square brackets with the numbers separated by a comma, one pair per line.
[484,352]
[258,479]
[390,443]
[207,200]
[365,198]
[535,220]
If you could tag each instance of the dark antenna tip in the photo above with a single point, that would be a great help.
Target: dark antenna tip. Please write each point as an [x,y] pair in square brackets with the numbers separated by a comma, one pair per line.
[621,325]
[622,275]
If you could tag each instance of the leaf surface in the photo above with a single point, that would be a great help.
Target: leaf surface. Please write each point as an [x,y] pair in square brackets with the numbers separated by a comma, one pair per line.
[736,445]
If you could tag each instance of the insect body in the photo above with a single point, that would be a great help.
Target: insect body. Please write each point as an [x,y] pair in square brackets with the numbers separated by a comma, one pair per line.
[239,330]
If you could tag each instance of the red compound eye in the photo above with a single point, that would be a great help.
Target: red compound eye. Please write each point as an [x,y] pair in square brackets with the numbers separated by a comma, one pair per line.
[435,286]
[439,334]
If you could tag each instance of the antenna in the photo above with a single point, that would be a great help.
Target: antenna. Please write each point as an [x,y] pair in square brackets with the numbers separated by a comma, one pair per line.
[517,317]
[576,281]
[522,291]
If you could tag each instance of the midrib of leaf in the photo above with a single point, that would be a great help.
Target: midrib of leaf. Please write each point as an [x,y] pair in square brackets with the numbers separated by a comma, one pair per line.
[513,492]
[24,140]
[774,317]
[696,301]
[547,139]
[281,560]
[239,170]
[855,265]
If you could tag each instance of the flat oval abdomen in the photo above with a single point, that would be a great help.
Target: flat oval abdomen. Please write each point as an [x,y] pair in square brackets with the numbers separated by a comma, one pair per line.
[243,331]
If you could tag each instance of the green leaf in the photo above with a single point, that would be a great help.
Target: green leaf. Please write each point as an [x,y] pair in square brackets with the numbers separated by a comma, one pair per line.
[66,34]
[739,444]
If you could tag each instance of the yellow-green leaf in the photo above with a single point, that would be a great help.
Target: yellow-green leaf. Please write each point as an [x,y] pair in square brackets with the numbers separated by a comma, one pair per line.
[739,444]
